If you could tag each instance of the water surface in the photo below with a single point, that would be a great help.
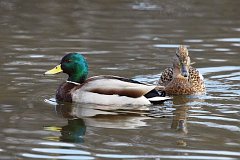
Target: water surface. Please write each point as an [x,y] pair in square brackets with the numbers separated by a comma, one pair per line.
[134,39]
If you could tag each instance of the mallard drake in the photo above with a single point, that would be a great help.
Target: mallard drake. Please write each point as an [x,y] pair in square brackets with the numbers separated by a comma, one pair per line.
[182,78]
[103,89]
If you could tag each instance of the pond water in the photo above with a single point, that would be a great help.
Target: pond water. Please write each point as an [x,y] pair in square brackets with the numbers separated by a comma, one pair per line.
[134,39]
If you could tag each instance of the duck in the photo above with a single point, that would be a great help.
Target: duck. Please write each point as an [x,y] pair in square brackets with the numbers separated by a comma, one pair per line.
[181,78]
[102,89]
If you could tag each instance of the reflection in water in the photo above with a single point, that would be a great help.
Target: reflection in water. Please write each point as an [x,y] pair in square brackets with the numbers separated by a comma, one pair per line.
[179,121]
[130,39]
[180,115]
[73,131]
[81,116]
[180,103]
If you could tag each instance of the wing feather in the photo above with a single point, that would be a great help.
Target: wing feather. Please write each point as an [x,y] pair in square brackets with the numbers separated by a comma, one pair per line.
[111,85]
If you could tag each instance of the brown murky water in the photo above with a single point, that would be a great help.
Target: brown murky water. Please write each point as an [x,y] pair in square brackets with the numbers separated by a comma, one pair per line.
[134,39]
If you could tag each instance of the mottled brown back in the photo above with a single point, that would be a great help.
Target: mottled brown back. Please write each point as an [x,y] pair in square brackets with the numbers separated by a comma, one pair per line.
[181,85]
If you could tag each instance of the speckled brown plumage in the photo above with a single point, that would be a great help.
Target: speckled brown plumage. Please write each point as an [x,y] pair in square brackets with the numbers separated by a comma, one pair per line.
[175,82]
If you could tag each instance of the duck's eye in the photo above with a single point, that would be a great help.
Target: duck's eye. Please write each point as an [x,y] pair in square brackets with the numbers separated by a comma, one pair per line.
[67,60]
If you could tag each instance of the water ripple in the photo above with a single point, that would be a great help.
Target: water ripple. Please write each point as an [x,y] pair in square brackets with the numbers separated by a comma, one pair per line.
[113,156]
[228,39]
[57,150]
[215,125]
[77,157]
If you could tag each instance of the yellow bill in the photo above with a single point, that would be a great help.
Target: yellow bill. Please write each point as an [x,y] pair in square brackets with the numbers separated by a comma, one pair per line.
[55,70]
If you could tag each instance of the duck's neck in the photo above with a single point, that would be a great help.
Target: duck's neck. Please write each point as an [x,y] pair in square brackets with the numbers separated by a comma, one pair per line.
[78,77]
[176,72]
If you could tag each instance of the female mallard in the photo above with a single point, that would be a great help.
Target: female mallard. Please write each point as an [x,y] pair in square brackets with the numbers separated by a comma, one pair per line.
[182,78]
[105,89]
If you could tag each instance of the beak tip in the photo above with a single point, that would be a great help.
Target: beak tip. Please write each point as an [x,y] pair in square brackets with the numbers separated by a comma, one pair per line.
[45,73]
[55,70]
[185,74]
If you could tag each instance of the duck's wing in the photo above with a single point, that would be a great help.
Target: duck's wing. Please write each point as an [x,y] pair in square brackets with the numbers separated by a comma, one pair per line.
[196,79]
[195,74]
[166,76]
[113,85]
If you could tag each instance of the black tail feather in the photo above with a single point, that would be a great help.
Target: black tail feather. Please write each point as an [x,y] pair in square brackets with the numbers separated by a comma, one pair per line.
[155,93]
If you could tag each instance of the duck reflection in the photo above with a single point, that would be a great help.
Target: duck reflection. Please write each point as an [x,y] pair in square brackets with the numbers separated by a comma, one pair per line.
[180,114]
[74,131]
[80,116]
[182,104]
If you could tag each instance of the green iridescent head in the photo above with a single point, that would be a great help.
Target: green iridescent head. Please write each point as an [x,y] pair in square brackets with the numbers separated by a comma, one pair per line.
[73,64]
